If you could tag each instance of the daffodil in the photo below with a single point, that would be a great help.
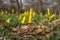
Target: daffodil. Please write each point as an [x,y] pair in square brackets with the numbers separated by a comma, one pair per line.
[20,16]
[12,10]
[51,16]
[23,20]
[2,13]
[48,11]
[41,14]
[24,14]
[8,20]
[30,16]
[34,13]
[46,15]
[6,12]
[31,10]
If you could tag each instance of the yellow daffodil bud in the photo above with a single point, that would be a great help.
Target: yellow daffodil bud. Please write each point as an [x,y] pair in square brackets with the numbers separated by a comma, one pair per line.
[34,13]
[46,15]
[51,16]
[27,13]
[6,12]
[2,13]
[31,10]
[30,18]
[12,10]
[8,20]
[20,16]
[23,20]
[41,14]
[48,11]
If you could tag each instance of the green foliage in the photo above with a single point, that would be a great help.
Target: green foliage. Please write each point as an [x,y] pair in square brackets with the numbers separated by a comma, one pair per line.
[36,18]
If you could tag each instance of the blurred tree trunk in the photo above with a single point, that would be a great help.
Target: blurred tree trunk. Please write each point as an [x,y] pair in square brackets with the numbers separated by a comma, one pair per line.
[35,4]
[14,5]
[18,3]
[40,6]
[59,6]
[0,5]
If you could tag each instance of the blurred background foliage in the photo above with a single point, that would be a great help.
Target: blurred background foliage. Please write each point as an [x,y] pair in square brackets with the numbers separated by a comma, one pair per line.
[37,5]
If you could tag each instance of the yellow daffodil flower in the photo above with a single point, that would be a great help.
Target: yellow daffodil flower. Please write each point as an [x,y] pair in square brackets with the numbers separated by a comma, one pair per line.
[2,13]
[23,20]
[6,12]
[41,14]
[30,16]
[34,13]
[12,11]
[51,16]
[48,11]
[24,17]
[20,16]
[8,20]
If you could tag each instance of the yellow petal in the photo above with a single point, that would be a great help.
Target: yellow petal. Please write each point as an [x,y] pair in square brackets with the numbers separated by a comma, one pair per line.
[48,11]
[8,20]
[41,14]
[23,20]
[52,16]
